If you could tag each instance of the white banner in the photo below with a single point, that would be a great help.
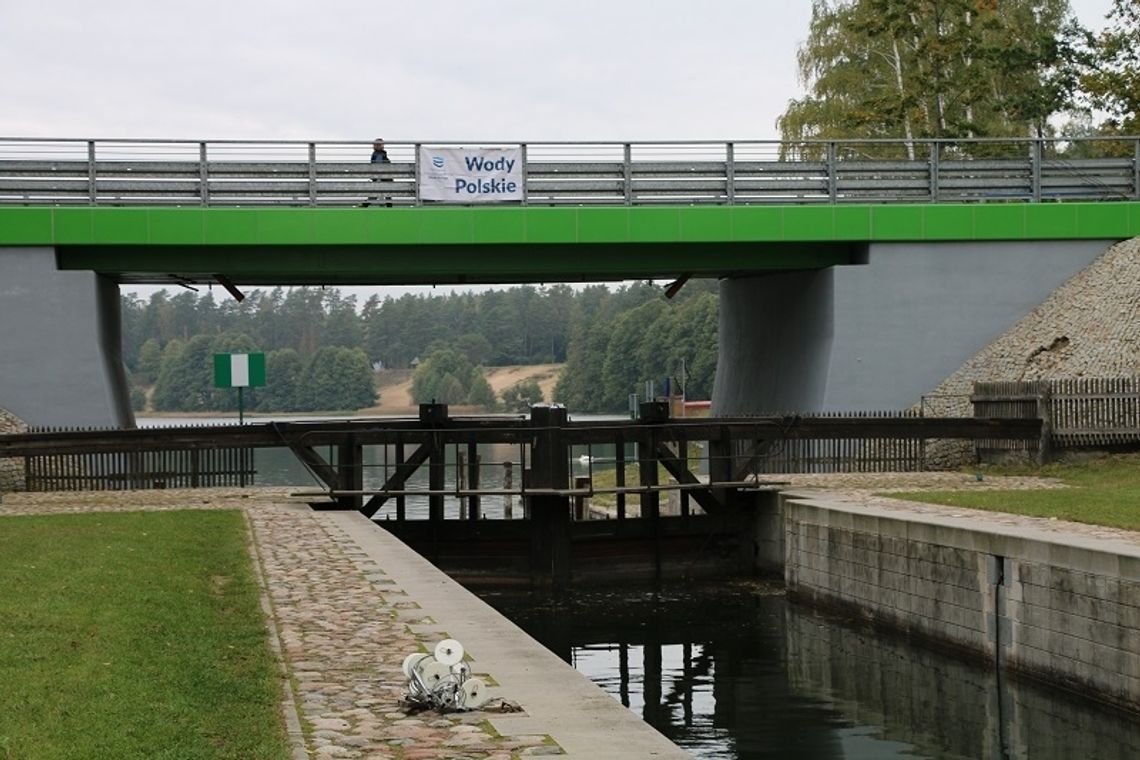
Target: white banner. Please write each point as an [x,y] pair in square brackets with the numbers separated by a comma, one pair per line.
[471,175]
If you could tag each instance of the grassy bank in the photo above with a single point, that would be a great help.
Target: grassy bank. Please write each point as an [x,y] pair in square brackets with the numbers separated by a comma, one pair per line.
[133,635]
[1104,490]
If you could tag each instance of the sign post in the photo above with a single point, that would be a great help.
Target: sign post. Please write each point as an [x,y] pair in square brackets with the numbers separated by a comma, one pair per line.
[239,371]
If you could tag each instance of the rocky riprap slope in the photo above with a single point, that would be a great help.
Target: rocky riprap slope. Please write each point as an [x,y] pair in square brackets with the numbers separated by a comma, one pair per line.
[1088,327]
[11,470]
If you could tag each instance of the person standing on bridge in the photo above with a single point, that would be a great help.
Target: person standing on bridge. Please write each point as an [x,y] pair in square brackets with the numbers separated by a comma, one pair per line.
[379,156]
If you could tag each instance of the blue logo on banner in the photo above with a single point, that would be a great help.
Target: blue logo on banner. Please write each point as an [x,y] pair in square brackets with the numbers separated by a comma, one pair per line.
[437,162]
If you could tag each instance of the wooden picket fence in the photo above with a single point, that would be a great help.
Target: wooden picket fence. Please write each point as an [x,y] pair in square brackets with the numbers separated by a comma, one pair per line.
[823,455]
[1092,412]
[1086,412]
[138,470]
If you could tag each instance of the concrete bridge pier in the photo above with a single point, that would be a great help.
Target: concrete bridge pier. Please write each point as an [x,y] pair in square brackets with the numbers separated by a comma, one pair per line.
[884,332]
[60,343]
[776,335]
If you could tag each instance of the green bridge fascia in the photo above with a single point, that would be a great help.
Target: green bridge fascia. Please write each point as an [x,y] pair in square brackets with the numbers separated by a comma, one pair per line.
[520,244]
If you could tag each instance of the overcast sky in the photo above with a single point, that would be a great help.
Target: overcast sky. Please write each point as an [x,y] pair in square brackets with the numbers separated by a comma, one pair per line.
[425,70]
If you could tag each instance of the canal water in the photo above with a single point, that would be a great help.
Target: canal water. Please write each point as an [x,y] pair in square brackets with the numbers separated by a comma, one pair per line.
[734,671]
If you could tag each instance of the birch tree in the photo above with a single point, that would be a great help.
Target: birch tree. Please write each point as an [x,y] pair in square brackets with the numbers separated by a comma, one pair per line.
[932,69]
[1112,81]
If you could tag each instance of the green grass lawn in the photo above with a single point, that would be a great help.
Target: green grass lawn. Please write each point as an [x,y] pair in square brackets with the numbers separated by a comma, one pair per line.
[1105,490]
[133,635]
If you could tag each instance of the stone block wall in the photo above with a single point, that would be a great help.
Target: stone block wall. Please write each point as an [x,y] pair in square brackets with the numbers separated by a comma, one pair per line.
[11,470]
[1056,608]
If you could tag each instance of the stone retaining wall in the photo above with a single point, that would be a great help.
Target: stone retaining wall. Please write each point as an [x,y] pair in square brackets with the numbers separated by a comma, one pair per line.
[11,470]
[1065,611]
[1088,327]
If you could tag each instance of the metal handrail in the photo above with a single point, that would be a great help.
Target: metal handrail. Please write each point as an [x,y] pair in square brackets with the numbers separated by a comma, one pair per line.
[232,172]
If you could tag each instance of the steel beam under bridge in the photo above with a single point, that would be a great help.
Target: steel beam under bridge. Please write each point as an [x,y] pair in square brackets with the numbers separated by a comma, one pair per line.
[459,245]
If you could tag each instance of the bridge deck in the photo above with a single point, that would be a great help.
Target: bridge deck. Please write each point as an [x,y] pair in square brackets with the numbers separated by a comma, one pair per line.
[256,213]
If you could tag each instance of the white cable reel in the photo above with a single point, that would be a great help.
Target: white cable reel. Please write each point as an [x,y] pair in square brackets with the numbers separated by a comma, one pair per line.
[442,680]
[474,693]
[449,652]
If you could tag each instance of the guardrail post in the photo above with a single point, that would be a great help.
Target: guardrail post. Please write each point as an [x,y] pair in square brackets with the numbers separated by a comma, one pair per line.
[419,200]
[730,172]
[203,175]
[1035,168]
[627,173]
[312,174]
[91,194]
[935,157]
[832,174]
[1136,171]
[526,193]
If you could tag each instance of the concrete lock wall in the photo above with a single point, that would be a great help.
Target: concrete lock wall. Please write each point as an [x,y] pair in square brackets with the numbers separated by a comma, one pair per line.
[878,335]
[1051,606]
[61,342]
[944,706]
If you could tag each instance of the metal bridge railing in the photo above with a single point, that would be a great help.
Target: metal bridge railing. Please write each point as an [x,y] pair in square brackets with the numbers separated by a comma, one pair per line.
[232,173]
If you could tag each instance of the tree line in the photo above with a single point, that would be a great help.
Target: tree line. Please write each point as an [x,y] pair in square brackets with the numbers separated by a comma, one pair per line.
[322,348]
[954,69]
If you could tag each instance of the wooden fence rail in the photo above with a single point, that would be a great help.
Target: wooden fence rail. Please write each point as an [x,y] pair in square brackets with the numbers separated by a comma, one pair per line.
[139,470]
[1084,412]
[871,452]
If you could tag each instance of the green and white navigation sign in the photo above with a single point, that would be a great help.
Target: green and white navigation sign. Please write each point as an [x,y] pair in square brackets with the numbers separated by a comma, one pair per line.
[239,371]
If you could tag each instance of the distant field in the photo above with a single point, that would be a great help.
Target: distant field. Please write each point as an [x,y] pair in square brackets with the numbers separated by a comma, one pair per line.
[395,386]
[133,635]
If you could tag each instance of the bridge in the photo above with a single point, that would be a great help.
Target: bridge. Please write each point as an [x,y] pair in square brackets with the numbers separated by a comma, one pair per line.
[827,251]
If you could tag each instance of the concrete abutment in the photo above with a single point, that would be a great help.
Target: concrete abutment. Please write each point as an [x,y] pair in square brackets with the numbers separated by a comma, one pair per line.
[61,340]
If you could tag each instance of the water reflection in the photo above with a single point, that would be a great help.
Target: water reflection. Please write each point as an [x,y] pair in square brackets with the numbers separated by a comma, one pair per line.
[736,672]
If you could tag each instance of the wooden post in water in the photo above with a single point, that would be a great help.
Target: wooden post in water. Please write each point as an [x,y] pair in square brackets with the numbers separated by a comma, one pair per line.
[508,500]
[549,513]
[461,481]
[432,418]
[401,500]
[581,502]
[652,413]
[350,473]
[474,507]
